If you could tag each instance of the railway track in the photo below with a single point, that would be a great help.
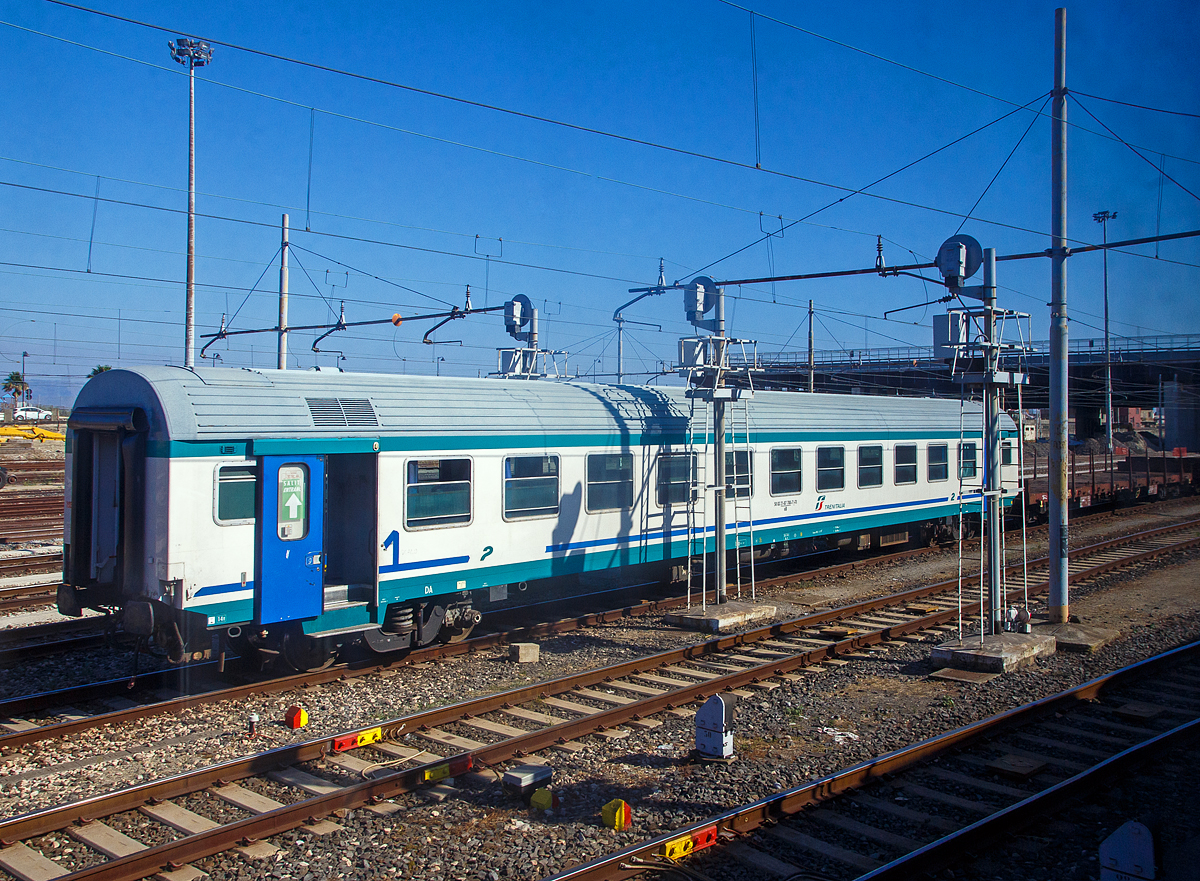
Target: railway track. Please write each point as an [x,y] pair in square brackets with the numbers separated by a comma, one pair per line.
[920,808]
[13,599]
[31,517]
[22,504]
[74,635]
[56,637]
[403,754]
[46,530]
[30,564]
[37,471]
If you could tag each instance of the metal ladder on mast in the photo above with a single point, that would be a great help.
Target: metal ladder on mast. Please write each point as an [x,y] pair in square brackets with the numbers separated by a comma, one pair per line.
[697,448]
[740,486]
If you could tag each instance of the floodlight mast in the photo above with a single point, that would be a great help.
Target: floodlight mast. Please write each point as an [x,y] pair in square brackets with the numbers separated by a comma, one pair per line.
[192,54]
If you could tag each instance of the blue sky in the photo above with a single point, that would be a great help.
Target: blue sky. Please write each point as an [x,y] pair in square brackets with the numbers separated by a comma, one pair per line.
[408,192]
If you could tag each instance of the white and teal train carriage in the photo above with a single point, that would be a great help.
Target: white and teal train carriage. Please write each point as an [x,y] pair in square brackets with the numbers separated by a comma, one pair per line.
[301,511]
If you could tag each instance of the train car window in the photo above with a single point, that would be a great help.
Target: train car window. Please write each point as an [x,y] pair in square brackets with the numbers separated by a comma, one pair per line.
[785,472]
[1006,453]
[939,466]
[234,502]
[831,468]
[676,473]
[870,466]
[967,462]
[906,464]
[530,486]
[610,482]
[438,493]
[738,476]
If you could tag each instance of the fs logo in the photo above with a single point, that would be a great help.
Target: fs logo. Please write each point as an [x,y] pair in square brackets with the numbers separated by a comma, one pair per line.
[820,502]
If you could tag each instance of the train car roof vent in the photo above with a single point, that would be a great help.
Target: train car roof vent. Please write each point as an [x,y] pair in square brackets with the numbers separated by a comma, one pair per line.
[341,412]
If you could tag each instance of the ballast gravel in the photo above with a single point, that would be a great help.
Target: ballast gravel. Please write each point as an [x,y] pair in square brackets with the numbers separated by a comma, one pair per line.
[785,736]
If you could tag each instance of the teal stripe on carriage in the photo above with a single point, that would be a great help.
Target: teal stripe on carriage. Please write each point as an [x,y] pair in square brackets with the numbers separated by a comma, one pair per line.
[634,550]
[391,444]
[638,550]
[228,613]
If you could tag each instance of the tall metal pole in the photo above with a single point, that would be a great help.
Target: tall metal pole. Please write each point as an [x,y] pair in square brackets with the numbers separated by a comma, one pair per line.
[720,556]
[1108,419]
[189,354]
[991,443]
[1059,600]
[283,296]
[620,349]
[810,345]
[1102,218]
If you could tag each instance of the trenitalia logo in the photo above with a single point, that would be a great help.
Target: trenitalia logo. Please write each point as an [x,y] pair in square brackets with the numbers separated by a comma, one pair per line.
[821,506]
[820,502]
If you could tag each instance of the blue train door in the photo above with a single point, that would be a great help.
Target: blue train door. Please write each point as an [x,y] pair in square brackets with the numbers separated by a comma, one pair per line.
[291,539]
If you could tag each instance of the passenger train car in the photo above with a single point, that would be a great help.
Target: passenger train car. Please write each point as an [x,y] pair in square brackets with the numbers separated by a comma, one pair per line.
[296,512]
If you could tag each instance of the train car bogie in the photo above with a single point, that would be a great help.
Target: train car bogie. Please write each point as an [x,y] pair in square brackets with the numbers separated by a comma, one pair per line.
[307,653]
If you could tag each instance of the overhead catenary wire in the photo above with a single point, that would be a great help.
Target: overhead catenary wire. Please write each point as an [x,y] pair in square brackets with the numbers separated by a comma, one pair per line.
[999,170]
[322,233]
[1138,106]
[1134,149]
[585,129]
[863,190]
[495,107]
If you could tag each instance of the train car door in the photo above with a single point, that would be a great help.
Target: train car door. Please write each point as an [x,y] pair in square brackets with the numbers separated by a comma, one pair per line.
[291,539]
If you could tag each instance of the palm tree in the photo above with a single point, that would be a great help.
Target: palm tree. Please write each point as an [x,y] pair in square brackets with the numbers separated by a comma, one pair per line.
[16,386]
[98,369]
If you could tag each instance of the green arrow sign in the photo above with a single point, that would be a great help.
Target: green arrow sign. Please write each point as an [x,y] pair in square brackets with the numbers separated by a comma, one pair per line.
[293,495]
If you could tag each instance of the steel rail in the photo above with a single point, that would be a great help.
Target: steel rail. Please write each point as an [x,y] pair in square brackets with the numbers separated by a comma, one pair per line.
[938,853]
[29,600]
[32,561]
[8,594]
[747,818]
[33,703]
[13,653]
[197,846]
[19,706]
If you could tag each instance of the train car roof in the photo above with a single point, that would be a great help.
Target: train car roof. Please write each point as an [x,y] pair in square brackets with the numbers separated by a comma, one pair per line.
[212,404]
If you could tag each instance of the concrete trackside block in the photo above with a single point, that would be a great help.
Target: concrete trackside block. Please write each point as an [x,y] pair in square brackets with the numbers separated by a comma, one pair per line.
[972,677]
[720,618]
[996,654]
[1078,637]
[524,652]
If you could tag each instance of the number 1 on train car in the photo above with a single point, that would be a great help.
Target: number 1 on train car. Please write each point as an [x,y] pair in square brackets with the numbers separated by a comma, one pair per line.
[291,539]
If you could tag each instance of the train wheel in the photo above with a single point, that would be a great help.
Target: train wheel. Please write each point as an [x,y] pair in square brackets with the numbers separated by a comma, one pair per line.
[238,642]
[307,654]
[449,636]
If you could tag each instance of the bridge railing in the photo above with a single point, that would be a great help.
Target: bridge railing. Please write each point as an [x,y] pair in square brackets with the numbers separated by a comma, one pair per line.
[1121,349]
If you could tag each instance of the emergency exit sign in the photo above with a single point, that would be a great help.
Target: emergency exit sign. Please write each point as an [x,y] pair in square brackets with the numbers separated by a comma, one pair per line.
[293,494]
